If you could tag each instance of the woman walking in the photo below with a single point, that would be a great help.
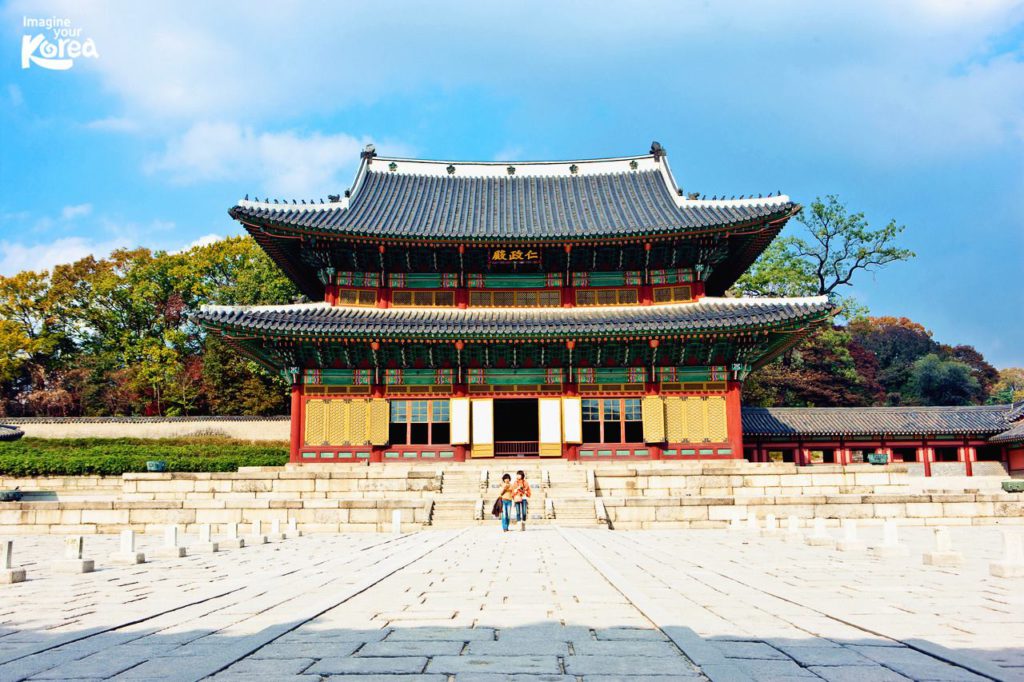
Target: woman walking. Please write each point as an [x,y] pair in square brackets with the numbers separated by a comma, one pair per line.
[521,496]
[506,501]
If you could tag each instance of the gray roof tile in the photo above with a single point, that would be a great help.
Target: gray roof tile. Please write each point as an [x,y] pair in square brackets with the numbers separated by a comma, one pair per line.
[498,323]
[868,421]
[514,207]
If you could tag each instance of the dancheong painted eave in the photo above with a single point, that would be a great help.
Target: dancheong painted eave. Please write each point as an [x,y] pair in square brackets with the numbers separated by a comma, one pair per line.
[396,199]
[709,315]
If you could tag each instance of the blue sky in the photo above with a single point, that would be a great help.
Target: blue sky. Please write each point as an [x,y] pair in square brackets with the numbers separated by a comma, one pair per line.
[911,110]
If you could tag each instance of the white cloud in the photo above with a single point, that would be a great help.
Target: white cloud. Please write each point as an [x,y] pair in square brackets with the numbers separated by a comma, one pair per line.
[18,256]
[280,163]
[116,124]
[15,95]
[76,211]
[205,240]
[891,80]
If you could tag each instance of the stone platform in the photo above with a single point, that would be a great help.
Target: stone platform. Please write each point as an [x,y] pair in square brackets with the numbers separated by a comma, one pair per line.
[637,495]
[551,605]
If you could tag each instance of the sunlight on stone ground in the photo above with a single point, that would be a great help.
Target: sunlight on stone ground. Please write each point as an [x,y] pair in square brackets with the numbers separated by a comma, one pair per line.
[548,604]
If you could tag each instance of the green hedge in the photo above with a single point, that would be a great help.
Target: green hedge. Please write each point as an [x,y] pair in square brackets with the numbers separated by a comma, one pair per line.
[115,456]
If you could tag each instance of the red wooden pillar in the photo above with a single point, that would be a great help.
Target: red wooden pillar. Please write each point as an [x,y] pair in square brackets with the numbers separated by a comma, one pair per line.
[568,292]
[734,419]
[646,294]
[968,455]
[697,290]
[924,455]
[383,297]
[296,423]
[460,391]
[462,297]
[331,294]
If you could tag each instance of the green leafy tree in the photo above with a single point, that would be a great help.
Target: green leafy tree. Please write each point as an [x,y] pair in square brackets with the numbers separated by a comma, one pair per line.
[826,369]
[935,381]
[1009,388]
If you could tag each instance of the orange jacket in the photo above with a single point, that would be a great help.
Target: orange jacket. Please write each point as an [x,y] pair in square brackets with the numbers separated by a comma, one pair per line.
[521,490]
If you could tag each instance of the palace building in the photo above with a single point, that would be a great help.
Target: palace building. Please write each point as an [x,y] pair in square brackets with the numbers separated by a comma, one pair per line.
[571,309]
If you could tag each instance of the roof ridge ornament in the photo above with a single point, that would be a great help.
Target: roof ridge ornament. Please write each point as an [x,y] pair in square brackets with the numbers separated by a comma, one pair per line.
[450,169]
[511,170]
[657,151]
[368,153]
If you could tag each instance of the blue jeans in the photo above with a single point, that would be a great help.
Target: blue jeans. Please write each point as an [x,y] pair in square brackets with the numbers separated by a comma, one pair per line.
[521,507]
[506,513]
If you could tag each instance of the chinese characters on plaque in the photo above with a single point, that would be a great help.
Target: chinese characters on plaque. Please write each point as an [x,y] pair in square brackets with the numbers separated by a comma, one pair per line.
[515,256]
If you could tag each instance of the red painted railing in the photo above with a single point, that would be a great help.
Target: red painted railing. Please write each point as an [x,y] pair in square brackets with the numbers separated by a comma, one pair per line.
[516,448]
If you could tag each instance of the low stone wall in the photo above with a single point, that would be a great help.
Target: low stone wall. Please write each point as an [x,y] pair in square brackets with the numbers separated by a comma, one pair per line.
[92,517]
[652,495]
[66,485]
[744,479]
[241,428]
[271,483]
[715,512]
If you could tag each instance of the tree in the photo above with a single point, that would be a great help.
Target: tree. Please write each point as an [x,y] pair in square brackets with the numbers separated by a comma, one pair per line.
[985,373]
[822,371]
[1010,386]
[934,381]
[896,343]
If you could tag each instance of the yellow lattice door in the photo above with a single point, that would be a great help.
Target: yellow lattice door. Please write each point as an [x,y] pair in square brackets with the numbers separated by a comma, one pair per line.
[675,420]
[653,414]
[316,421]
[357,422]
[380,415]
[718,431]
[695,428]
[337,416]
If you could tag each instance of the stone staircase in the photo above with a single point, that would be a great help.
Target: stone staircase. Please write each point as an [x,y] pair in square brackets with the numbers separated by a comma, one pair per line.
[461,498]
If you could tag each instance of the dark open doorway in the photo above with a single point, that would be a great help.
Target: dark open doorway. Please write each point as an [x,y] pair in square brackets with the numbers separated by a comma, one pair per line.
[516,427]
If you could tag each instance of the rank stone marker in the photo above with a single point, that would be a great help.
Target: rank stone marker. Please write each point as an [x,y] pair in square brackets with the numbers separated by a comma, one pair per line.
[8,573]
[127,555]
[943,554]
[232,540]
[850,542]
[206,544]
[256,536]
[396,521]
[275,532]
[73,561]
[293,529]
[1012,564]
[793,533]
[771,528]
[752,522]
[735,523]
[171,549]
[890,546]
[819,537]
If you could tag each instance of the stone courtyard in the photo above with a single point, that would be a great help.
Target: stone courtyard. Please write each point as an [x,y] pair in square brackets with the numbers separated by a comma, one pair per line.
[553,603]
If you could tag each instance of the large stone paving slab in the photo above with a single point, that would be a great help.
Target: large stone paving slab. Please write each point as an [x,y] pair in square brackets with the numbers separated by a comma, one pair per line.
[548,605]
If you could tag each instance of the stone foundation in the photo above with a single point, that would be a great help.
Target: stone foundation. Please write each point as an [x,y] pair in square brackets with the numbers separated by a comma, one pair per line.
[650,495]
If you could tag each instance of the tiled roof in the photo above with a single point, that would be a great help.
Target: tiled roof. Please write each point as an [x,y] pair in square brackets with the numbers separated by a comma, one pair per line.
[868,421]
[10,433]
[541,200]
[1014,435]
[321,319]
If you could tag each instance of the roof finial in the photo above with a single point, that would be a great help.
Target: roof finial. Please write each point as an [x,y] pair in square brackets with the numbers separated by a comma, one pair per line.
[247,197]
[657,151]
[369,151]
